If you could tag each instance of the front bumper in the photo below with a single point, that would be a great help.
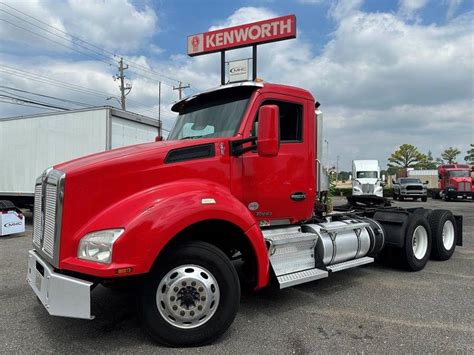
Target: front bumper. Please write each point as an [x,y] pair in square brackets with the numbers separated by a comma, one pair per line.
[61,295]
[413,193]
[460,195]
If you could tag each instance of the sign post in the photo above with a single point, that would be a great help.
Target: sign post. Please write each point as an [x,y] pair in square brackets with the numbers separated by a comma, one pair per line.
[250,34]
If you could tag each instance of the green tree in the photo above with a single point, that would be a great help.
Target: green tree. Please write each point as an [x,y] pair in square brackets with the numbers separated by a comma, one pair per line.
[428,162]
[469,158]
[450,154]
[406,156]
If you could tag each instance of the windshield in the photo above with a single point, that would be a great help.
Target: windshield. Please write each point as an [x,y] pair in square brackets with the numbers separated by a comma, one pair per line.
[367,175]
[216,114]
[410,181]
[459,173]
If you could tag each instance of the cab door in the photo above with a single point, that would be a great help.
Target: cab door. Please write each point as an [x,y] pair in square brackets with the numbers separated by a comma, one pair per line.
[280,189]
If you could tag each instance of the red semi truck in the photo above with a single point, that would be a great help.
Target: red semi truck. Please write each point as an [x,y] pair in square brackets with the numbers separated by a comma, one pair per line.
[233,188]
[454,182]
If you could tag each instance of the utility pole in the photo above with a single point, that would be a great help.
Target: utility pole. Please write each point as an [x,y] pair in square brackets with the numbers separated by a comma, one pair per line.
[159,110]
[337,168]
[180,88]
[124,89]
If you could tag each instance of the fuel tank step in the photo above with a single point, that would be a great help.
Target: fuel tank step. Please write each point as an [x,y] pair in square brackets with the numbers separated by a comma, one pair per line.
[290,250]
[300,277]
[350,264]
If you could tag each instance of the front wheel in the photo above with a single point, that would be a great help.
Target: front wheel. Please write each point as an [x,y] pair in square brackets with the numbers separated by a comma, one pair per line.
[191,296]
[424,199]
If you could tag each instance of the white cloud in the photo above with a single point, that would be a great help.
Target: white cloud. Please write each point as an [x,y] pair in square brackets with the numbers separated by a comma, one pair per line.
[408,8]
[113,25]
[453,6]
[344,8]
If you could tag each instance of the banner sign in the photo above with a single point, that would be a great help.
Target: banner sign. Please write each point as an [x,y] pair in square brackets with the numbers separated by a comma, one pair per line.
[275,29]
[238,70]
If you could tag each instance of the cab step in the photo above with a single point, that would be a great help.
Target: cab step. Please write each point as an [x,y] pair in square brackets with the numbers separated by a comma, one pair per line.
[300,277]
[350,264]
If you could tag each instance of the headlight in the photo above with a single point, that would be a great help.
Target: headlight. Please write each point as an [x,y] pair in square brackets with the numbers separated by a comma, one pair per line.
[97,246]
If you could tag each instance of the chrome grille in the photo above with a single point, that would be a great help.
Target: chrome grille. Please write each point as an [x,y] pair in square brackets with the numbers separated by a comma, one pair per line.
[414,187]
[48,213]
[368,188]
[464,186]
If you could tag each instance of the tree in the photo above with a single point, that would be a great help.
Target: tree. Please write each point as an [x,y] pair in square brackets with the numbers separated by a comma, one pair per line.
[469,158]
[450,154]
[407,156]
[428,162]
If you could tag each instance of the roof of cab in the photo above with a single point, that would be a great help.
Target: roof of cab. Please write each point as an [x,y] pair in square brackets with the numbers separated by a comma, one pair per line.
[263,87]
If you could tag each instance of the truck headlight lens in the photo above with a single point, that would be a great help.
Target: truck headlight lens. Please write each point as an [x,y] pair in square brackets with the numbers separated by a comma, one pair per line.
[97,246]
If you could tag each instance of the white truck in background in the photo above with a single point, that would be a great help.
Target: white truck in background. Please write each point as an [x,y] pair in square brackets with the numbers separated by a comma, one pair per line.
[366,179]
[31,144]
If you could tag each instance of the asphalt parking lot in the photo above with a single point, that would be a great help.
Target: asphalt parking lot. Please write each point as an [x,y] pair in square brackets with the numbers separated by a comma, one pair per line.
[370,309]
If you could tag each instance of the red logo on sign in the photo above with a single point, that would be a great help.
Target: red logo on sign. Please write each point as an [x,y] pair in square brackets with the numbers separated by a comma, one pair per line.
[195,42]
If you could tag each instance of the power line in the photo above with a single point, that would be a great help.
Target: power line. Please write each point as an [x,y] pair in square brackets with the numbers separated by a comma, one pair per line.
[34,102]
[113,55]
[47,96]
[27,105]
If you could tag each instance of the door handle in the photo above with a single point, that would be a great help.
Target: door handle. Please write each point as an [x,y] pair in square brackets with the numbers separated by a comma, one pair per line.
[298,196]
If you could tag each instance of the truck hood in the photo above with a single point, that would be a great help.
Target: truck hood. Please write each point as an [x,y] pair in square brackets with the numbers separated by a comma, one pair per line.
[155,151]
[457,180]
[371,181]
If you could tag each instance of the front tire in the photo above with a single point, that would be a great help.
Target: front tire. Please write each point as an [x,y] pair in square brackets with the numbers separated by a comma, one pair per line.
[417,249]
[191,296]
[443,227]
[424,199]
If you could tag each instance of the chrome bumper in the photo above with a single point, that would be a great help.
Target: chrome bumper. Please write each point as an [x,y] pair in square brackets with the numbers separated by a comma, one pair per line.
[61,295]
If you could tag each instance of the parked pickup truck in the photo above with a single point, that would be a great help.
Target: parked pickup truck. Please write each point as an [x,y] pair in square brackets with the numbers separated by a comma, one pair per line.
[409,187]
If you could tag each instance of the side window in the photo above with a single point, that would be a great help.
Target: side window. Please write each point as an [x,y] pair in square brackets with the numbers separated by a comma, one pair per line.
[291,121]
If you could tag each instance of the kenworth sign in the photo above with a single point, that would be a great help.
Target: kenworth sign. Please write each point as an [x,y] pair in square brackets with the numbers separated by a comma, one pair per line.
[275,29]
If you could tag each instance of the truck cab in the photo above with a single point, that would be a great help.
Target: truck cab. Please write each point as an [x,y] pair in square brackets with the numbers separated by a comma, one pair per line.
[366,178]
[233,188]
[454,182]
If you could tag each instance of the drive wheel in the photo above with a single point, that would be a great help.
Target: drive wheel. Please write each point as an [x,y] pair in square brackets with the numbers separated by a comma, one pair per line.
[416,252]
[191,296]
[443,227]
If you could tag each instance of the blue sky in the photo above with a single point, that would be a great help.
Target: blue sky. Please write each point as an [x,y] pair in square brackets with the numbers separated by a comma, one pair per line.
[385,72]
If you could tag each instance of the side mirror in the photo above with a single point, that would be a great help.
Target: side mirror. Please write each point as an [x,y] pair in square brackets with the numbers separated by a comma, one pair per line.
[158,139]
[268,139]
[393,182]
[427,182]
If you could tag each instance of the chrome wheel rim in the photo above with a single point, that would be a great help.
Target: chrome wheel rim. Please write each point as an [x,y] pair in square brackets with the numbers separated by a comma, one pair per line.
[448,235]
[187,296]
[420,242]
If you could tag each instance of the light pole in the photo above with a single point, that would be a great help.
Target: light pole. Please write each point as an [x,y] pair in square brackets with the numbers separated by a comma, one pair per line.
[337,167]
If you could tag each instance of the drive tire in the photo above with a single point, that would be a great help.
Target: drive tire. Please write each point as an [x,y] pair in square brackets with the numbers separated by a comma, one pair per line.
[424,199]
[201,256]
[443,229]
[417,248]
[400,198]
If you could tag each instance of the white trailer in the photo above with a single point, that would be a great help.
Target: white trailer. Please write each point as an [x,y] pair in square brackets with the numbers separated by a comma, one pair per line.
[366,179]
[30,144]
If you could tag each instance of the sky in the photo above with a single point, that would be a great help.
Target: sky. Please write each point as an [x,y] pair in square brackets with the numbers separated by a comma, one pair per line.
[385,72]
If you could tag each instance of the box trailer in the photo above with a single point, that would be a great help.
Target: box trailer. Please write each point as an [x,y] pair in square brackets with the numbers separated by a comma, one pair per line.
[30,144]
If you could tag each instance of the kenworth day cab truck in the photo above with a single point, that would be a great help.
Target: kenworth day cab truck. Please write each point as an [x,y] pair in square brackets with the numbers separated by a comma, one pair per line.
[234,185]
[366,179]
[454,182]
